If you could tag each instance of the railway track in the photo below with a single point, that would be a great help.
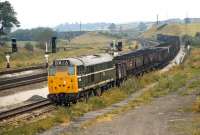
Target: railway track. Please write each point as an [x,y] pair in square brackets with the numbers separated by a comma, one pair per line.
[16,70]
[21,81]
[24,109]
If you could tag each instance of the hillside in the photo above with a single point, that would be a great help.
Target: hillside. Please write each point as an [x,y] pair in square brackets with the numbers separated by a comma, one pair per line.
[173,29]
[92,38]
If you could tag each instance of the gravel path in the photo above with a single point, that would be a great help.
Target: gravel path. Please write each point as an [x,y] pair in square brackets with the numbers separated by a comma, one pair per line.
[23,89]
[22,96]
[152,119]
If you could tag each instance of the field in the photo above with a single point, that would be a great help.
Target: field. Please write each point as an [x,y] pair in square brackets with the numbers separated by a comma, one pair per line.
[173,29]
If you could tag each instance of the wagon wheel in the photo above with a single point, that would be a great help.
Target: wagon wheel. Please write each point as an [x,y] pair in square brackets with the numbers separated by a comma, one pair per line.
[102,90]
[81,97]
[98,92]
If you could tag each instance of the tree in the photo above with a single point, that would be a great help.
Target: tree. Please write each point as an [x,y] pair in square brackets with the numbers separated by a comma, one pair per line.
[112,27]
[42,35]
[8,18]
[22,35]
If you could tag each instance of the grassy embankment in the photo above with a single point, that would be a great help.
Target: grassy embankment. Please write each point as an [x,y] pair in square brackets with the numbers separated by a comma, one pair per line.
[192,125]
[165,85]
[89,43]
[173,29]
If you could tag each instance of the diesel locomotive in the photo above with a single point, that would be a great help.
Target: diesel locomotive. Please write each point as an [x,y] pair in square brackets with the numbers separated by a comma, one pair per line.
[74,78]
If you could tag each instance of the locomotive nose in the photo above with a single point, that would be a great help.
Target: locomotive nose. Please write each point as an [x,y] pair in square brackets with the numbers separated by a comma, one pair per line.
[63,83]
[57,83]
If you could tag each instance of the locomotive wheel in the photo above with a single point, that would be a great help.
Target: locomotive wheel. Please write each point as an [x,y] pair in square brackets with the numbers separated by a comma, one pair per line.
[67,104]
[74,101]
[106,87]
[113,84]
[102,90]
[86,96]
[142,74]
[91,93]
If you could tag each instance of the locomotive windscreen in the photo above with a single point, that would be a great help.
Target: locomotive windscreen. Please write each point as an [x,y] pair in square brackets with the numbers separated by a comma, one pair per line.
[61,66]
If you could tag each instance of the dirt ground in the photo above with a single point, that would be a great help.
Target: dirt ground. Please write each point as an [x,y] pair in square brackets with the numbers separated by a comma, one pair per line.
[17,95]
[151,119]
[23,89]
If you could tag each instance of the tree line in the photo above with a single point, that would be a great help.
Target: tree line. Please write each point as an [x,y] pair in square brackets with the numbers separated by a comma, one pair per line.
[8,19]
[42,34]
[36,34]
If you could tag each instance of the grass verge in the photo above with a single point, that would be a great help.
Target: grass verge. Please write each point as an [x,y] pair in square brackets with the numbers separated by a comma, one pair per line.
[191,125]
[164,86]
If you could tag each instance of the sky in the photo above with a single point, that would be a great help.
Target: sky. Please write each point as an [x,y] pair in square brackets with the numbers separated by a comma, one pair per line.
[49,13]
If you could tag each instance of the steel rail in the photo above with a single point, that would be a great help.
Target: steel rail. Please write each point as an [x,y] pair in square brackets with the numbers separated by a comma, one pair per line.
[24,109]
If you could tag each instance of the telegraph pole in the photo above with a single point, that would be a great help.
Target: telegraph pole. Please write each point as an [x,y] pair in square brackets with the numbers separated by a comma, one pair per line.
[157,19]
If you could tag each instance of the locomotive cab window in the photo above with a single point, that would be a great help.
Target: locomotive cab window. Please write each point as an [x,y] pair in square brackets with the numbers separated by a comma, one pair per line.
[52,71]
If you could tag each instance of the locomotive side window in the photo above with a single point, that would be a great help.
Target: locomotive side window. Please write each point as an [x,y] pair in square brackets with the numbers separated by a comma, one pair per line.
[80,70]
[71,70]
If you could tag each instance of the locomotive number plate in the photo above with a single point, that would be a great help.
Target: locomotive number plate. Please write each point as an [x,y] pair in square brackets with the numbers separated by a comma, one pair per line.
[62,62]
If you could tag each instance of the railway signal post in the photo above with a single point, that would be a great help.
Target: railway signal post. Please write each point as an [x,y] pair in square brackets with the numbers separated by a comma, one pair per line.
[53,43]
[46,56]
[14,45]
[8,61]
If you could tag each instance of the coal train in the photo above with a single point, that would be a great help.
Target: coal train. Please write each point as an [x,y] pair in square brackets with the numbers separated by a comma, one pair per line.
[74,78]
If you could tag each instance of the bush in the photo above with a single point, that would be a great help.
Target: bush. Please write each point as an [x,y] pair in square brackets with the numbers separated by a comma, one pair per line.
[195,41]
[196,105]
[29,46]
